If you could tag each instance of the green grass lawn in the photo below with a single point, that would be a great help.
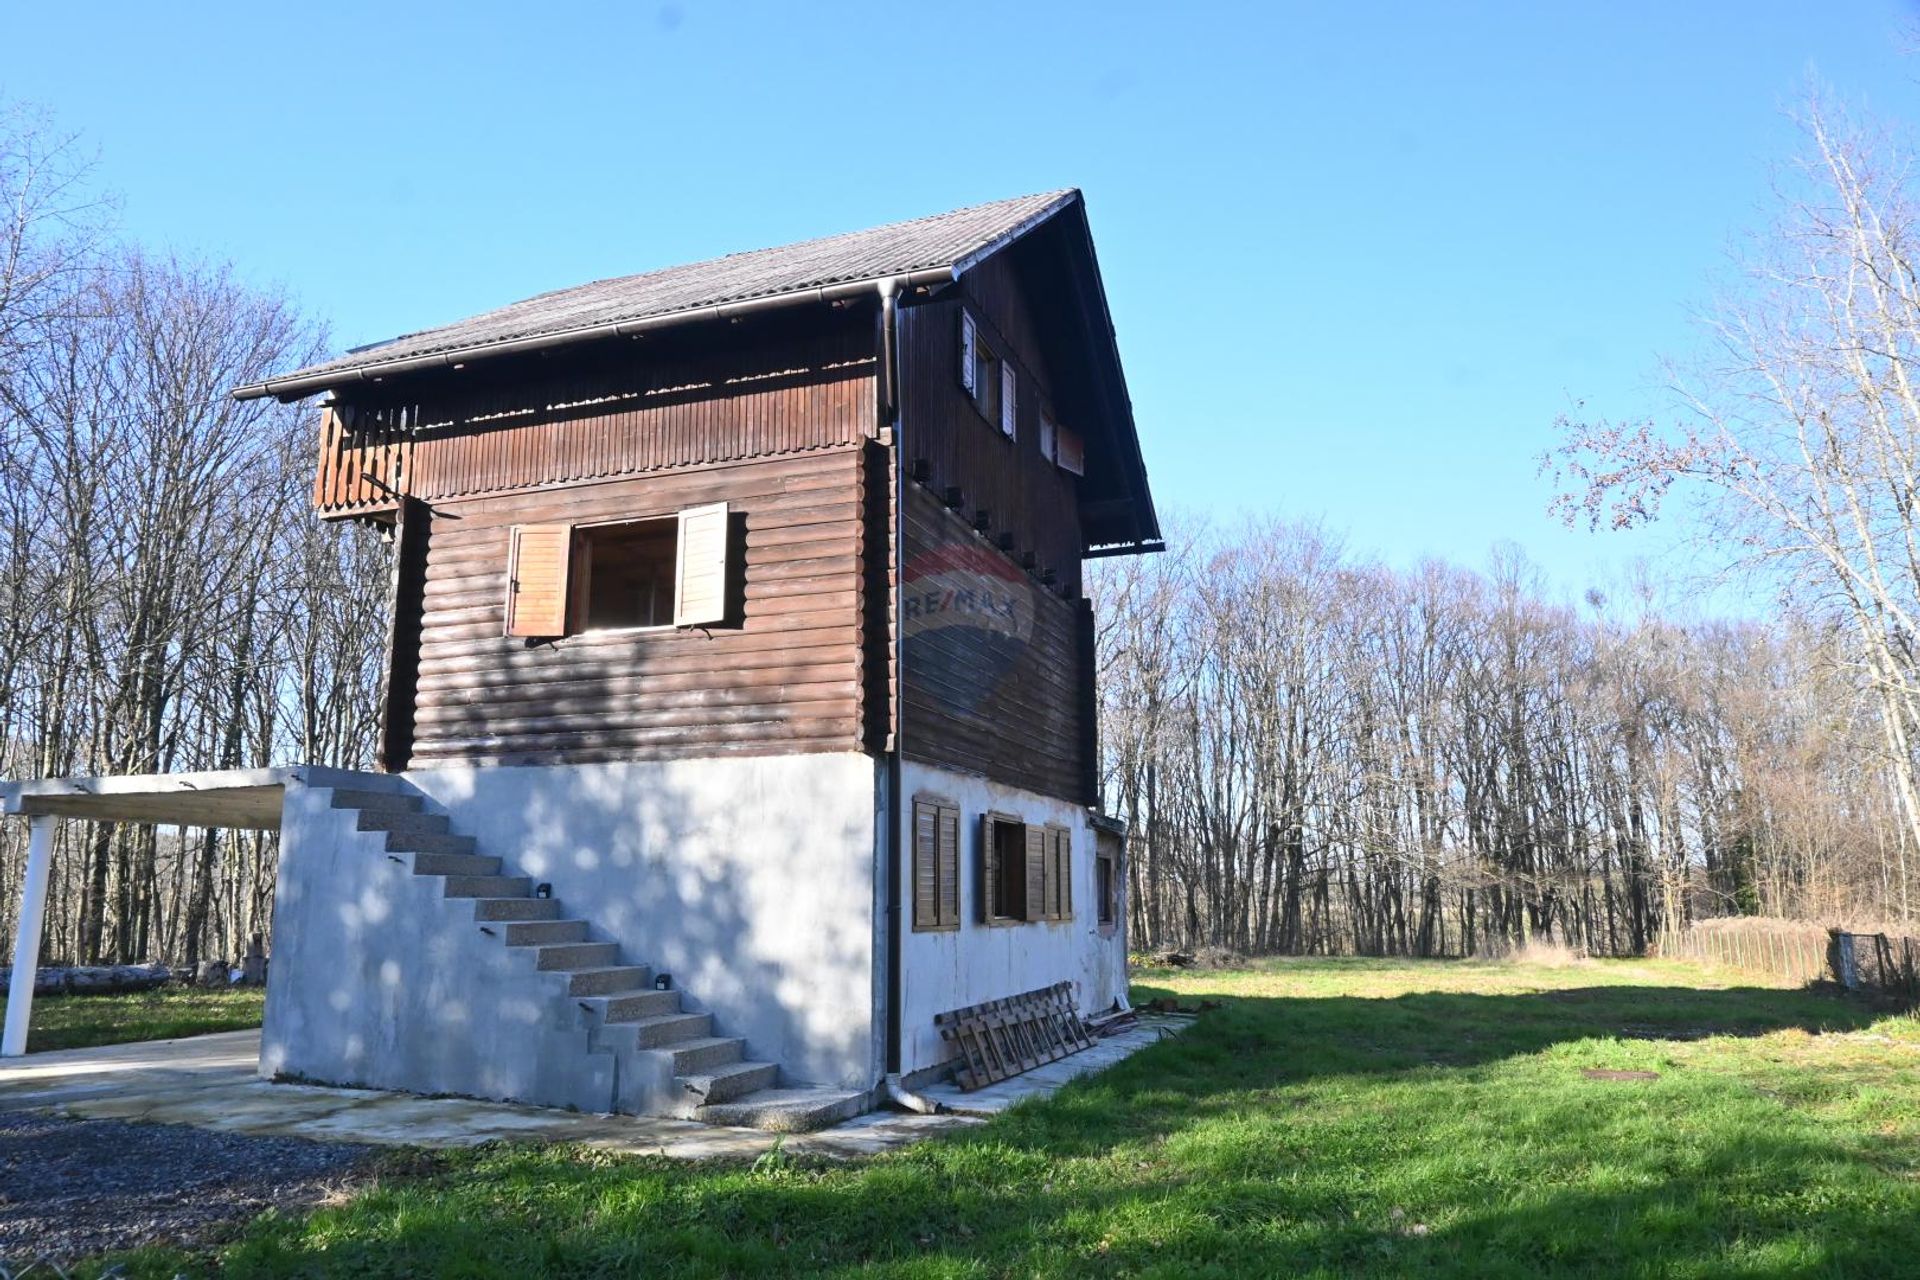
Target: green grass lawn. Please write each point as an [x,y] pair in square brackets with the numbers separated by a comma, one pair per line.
[76,1022]
[1332,1118]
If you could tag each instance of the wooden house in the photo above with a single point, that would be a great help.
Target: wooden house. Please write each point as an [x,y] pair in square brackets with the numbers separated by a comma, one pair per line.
[739,707]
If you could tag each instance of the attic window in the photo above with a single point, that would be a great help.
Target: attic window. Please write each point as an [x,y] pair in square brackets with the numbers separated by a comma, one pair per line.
[988,378]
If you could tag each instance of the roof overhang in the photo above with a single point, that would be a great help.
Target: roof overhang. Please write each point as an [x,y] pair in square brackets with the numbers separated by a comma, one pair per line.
[296,388]
[247,799]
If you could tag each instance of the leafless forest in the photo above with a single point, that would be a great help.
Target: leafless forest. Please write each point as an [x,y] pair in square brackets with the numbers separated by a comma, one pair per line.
[1316,752]
[167,602]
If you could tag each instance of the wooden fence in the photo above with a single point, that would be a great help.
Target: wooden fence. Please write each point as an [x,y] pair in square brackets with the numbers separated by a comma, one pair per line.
[1801,952]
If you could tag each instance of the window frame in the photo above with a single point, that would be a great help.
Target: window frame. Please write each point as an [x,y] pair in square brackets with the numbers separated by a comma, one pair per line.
[580,591]
[576,582]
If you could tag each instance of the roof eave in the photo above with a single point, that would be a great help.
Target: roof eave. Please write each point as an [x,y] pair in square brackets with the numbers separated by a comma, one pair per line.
[299,387]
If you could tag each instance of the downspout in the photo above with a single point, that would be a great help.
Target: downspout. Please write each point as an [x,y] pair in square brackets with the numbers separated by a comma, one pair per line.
[892,874]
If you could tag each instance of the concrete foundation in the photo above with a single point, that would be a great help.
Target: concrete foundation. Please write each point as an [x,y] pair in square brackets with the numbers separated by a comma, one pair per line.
[750,881]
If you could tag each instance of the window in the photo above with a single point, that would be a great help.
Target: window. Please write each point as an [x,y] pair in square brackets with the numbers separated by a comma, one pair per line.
[623,574]
[989,379]
[665,571]
[1047,435]
[936,865]
[1026,871]
[1106,882]
[1003,869]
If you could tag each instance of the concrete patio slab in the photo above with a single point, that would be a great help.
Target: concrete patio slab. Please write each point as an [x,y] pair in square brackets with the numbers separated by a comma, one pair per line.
[209,1082]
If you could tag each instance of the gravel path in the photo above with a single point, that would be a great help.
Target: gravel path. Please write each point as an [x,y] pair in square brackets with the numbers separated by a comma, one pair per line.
[71,1188]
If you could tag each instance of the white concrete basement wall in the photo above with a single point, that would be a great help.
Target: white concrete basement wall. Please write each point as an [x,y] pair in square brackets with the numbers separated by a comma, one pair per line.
[985,962]
[750,880]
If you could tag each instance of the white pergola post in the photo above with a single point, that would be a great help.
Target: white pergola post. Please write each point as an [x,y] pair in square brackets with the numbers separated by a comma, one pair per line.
[26,946]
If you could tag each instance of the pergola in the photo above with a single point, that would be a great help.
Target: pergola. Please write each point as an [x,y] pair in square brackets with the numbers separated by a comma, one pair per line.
[248,799]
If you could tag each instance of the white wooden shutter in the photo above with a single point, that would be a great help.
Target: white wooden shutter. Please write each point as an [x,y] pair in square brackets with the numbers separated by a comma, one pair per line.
[538,556]
[966,354]
[1009,422]
[700,578]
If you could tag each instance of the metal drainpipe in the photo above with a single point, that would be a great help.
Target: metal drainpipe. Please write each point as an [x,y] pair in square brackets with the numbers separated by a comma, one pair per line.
[893,875]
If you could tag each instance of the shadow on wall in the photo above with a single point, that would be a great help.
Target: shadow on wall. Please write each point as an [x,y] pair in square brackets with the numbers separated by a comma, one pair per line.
[1277,1137]
[748,881]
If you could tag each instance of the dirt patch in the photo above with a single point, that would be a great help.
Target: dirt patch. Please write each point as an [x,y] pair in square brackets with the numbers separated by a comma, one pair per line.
[73,1188]
[1605,1073]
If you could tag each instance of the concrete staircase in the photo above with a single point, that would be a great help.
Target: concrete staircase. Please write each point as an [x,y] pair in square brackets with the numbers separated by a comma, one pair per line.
[666,1060]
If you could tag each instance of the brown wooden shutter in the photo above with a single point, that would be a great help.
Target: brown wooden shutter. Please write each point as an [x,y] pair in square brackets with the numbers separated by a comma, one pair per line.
[1070,450]
[967,339]
[1009,399]
[926,884]
[700,582]
[538,556]
[1037,843]
[947,857]
[1063,844]
[989,895]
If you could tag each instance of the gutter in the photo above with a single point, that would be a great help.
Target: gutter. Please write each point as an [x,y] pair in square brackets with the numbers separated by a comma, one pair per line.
[294,388]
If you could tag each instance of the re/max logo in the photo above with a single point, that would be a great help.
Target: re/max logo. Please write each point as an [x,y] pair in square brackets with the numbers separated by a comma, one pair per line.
[968,600]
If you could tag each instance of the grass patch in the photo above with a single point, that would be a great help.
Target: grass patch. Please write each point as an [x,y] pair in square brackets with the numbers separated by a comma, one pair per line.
[81,1021]
[1334,1117]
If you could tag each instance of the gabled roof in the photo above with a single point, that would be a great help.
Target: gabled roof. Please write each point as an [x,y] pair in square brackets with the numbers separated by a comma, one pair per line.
[940,246]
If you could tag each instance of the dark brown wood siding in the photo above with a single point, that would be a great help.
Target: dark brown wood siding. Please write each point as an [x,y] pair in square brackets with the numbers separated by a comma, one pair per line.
[952,446]
[787,677]
[994,668]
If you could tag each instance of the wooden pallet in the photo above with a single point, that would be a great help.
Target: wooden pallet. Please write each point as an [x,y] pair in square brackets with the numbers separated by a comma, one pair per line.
[1003,1038]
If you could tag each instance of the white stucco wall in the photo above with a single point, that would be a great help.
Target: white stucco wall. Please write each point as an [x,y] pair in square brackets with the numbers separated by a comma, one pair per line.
[978,962]
[750,880]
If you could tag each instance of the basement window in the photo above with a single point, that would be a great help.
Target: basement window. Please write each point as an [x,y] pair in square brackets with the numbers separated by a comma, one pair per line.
[1003,869]
[624,574]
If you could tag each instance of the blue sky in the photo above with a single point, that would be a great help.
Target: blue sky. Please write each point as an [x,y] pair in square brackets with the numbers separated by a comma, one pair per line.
[1359,256]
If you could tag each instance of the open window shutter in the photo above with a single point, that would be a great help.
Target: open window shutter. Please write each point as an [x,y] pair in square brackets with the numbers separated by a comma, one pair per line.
[700,584]
[1009,396]
[538,556]
[966,354]
[1063,845]
[1071,451]
[947,857]
[1037,843]
[926,887]
[989,895]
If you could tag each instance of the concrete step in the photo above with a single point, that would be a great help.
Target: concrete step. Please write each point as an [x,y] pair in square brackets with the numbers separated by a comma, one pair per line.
[616,979]
[534,933]
[455,864]
[488,886]
[576,955]
[800,1110]
[446,842]
[705,1054]
[516,909]
[632,1006]
[724,1084]
[409,821]
[666,1030]
[408,801]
